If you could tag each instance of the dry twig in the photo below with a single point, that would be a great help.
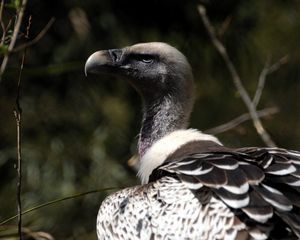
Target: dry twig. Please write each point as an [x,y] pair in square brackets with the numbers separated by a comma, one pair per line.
[8,232]
[1,22]
[263,75]
[236,79]
[14,37]
[37,38]
[239,120]
[50,203]
[18,117]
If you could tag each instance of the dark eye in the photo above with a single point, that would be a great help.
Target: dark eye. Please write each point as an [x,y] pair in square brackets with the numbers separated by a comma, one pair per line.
[147,59]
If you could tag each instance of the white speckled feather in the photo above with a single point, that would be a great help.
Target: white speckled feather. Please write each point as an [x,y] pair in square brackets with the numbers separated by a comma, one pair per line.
[164,209]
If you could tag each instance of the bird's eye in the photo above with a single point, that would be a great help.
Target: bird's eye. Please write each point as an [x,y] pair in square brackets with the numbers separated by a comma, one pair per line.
[147,59]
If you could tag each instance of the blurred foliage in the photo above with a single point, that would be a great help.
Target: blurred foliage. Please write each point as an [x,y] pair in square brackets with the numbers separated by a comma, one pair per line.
[78,133]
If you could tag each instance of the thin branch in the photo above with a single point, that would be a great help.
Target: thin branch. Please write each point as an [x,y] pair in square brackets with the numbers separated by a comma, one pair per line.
[263,75]
[58,201]
[261,83]
[37,38]
[239,120]
[8,232]
[224,26]
[12,43]
[36,235]
[274,67]
[4,37]
[2,23]
[18,117]
[236,79]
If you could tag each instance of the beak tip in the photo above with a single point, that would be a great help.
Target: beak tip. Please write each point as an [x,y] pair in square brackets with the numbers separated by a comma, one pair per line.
[95,62]
[86,69]
[89,64]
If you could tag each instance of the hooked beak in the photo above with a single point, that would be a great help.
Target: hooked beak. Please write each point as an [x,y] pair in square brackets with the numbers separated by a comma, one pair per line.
[105,61]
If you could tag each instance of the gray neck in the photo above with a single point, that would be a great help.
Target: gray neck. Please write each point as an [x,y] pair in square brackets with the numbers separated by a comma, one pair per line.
[161,117]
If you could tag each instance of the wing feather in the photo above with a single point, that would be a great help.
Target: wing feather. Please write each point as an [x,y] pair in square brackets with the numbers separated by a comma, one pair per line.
[258,209]
[215,178]
[254,174]
[237,182]
[261,183]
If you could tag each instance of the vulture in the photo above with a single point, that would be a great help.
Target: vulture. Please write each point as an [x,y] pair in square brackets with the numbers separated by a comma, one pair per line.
[192,186]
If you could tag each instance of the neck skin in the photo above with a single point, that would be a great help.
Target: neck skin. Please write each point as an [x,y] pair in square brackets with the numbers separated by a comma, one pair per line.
[161,116]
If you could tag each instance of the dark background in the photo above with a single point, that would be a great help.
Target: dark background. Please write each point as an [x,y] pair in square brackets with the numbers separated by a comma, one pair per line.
[78,132]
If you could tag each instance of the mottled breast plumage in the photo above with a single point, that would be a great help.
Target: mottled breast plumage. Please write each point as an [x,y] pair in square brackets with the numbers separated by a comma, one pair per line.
[165,209]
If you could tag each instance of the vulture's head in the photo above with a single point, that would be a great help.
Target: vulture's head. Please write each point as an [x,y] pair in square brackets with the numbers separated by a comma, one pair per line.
[161,75]
[154,69]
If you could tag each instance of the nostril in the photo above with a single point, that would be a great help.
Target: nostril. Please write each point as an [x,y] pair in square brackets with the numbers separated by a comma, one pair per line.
[115,54]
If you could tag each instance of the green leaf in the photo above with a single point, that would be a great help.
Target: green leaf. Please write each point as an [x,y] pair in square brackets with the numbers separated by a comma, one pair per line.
[3,49]
[17,4]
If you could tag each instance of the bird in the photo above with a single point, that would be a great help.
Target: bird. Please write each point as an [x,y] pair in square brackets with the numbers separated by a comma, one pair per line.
[192,186]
